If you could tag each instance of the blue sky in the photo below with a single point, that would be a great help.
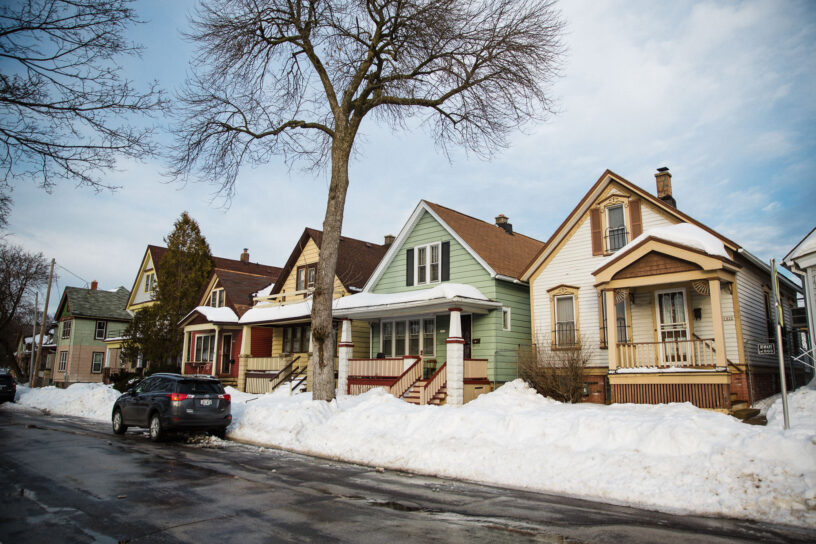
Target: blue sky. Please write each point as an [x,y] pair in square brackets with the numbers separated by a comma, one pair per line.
[723,93]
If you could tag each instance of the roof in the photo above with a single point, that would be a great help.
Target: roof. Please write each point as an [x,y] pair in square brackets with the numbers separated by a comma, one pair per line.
[507,254]
[240,286]
[584,204]
[805,247]
[356,259]
[95,303]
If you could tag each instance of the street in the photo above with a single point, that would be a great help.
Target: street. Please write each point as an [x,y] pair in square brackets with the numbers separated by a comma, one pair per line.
[71,480]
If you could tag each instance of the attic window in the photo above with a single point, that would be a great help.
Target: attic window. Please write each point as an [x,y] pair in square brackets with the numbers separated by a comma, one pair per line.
[615,228]
[217,298]
[66,329]
[306,277]
[427,263]
[150,282]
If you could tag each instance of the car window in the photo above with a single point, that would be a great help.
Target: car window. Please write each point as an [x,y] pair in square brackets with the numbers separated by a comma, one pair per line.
[6,379]
[165,385]
[193,387]
[146,385]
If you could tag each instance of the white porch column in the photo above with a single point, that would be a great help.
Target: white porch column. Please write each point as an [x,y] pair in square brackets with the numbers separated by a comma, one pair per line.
[185,350]
[107,356]
[456,359]
[215,350]
[611,330]
[717,322]
[244,355]
[346,347]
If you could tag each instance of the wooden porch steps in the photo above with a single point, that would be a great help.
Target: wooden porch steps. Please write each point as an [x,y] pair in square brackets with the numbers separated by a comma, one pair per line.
[751,416]
[231,382]
[413,394]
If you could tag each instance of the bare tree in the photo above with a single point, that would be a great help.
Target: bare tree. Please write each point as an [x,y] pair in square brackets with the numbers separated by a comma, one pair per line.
[65,112]
[556,371]
[297,78]
[20,273]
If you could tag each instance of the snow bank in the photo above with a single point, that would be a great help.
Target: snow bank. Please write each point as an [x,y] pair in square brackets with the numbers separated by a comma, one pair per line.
[674,458]
[801,411]
[89,400]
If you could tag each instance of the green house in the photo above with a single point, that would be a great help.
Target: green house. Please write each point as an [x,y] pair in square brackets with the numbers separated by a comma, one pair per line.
[442,260]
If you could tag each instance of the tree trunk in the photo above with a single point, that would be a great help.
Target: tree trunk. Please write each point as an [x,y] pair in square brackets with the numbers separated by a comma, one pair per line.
[323,338]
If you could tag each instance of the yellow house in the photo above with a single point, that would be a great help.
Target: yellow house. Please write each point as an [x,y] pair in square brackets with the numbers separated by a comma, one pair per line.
[276,331]
[669,309]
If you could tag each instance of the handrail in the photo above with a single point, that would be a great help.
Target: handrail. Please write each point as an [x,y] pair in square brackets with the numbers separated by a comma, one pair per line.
[439,378]
[713,347]
[282,376]
[406,380]
[809,353]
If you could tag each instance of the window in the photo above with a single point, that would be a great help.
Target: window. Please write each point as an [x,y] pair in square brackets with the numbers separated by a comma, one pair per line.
[96,362]
[66,328]
[565,330]
[420,335]
[615,228]
[101,329]
[217,298]
[296,339]
[204,347]
[306,277]
[63,361]
[427,264]
[150,282]
[620,316]
[505,319]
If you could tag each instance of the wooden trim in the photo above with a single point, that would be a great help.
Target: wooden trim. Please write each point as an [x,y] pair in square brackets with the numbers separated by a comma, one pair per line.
[663,279]
[635,218]
[564,287]
[738,324]
[670,377]
[595,230]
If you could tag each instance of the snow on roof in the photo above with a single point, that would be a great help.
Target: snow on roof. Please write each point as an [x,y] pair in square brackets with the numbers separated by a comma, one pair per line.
[217,315]
[280,312]
[265,291]
[684,234]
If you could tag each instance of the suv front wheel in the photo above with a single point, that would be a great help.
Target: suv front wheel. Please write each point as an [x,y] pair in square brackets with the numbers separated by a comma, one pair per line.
[156,428]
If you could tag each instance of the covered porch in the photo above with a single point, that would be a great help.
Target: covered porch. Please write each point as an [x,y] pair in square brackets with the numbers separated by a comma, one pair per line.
[212,337]
[669,323]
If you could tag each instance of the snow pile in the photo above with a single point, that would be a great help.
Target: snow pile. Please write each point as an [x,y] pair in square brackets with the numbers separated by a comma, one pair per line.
[675,457]
[90,400]
[684,234]
[801,411]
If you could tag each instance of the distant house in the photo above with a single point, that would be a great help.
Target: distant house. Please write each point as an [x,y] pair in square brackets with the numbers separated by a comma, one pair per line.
[28,344]
[801,260]
[87,317]
[671,309]
[447,278]
[275,334]
[212,339]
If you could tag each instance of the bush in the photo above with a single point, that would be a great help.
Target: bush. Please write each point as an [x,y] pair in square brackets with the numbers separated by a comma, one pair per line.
[556,372]
[124,379]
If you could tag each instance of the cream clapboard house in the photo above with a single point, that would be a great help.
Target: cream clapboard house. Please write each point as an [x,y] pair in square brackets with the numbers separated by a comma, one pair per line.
[670,309]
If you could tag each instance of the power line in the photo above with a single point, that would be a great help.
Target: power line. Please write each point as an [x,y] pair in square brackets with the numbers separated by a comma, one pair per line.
[86,282]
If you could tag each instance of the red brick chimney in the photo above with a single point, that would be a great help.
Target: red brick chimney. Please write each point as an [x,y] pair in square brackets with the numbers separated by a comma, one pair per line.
[94,285]
[664,188]
[245,256]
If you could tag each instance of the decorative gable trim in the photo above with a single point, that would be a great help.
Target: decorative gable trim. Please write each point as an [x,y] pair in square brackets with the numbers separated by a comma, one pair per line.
[148,258]
[406,231]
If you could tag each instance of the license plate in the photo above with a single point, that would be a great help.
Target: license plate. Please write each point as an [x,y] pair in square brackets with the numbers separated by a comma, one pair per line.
[206,402]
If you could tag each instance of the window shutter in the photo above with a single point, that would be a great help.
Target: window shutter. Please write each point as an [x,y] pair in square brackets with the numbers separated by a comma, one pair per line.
[635,218]
[409,266]
[595,227]
[445,261]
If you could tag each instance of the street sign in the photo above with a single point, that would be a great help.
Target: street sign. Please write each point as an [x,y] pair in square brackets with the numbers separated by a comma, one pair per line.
[766,349]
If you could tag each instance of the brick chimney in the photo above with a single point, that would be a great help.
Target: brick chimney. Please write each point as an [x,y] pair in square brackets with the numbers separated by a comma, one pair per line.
[94,285]
[389,239]
[664,189]
[245,256]
[502,221]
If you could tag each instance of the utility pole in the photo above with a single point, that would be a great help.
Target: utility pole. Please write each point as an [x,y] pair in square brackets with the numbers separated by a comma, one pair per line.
[779,321]
[33,336]
[36,368]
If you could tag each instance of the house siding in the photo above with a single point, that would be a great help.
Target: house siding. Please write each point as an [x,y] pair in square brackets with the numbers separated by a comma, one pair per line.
[140,296]
[81,345]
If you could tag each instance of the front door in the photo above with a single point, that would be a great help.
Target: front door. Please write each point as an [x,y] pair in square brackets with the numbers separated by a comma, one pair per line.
[226,354]
[466,334]
[673,325]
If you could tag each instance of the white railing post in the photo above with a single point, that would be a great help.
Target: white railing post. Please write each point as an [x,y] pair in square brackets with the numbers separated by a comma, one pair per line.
[346,347]
[456,360]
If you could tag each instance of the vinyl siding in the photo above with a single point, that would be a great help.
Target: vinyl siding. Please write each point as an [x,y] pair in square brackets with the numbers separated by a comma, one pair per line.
[140,295]
[81,346]
[309,255]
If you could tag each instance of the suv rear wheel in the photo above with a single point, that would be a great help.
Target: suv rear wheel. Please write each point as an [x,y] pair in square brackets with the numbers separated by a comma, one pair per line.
[156,428]
[119,426]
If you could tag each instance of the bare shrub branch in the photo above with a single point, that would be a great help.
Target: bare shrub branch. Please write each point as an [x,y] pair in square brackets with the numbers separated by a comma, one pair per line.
[556,371]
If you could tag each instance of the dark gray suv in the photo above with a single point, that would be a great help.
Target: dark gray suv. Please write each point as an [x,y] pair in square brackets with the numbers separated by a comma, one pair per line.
[172,402]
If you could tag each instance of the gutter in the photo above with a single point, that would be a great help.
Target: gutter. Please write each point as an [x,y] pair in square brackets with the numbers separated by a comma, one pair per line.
[509,279]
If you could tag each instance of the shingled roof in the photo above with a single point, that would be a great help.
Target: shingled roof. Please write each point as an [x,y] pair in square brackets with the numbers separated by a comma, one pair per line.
[507,254]
[95,303]
[239,287]
[220,262]
[356,259]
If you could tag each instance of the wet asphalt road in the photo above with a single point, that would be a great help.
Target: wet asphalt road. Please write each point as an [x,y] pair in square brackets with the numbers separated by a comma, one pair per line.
[71,480]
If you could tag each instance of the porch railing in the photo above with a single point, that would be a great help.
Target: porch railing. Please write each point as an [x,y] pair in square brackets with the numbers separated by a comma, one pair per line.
[408,378]
[671,354]
[439,379]
[198,367]
[376,367]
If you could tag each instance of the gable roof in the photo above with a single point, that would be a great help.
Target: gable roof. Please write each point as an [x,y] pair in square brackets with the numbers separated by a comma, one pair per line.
[95,303]
[240,286]
[585,203]
[356,259]
[500,253]
[806,246]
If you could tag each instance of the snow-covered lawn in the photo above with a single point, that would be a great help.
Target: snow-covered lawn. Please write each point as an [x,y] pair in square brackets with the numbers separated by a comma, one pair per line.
[674,458]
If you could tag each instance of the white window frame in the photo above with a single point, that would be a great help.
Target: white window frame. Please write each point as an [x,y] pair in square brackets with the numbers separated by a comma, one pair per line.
[201,345]
[506,326]
[607,236]
[574,320]
[67,325]
[428,253]
[150,282]
[63,361]
[389,350]
[104,330]
[218,298]
[94,369]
